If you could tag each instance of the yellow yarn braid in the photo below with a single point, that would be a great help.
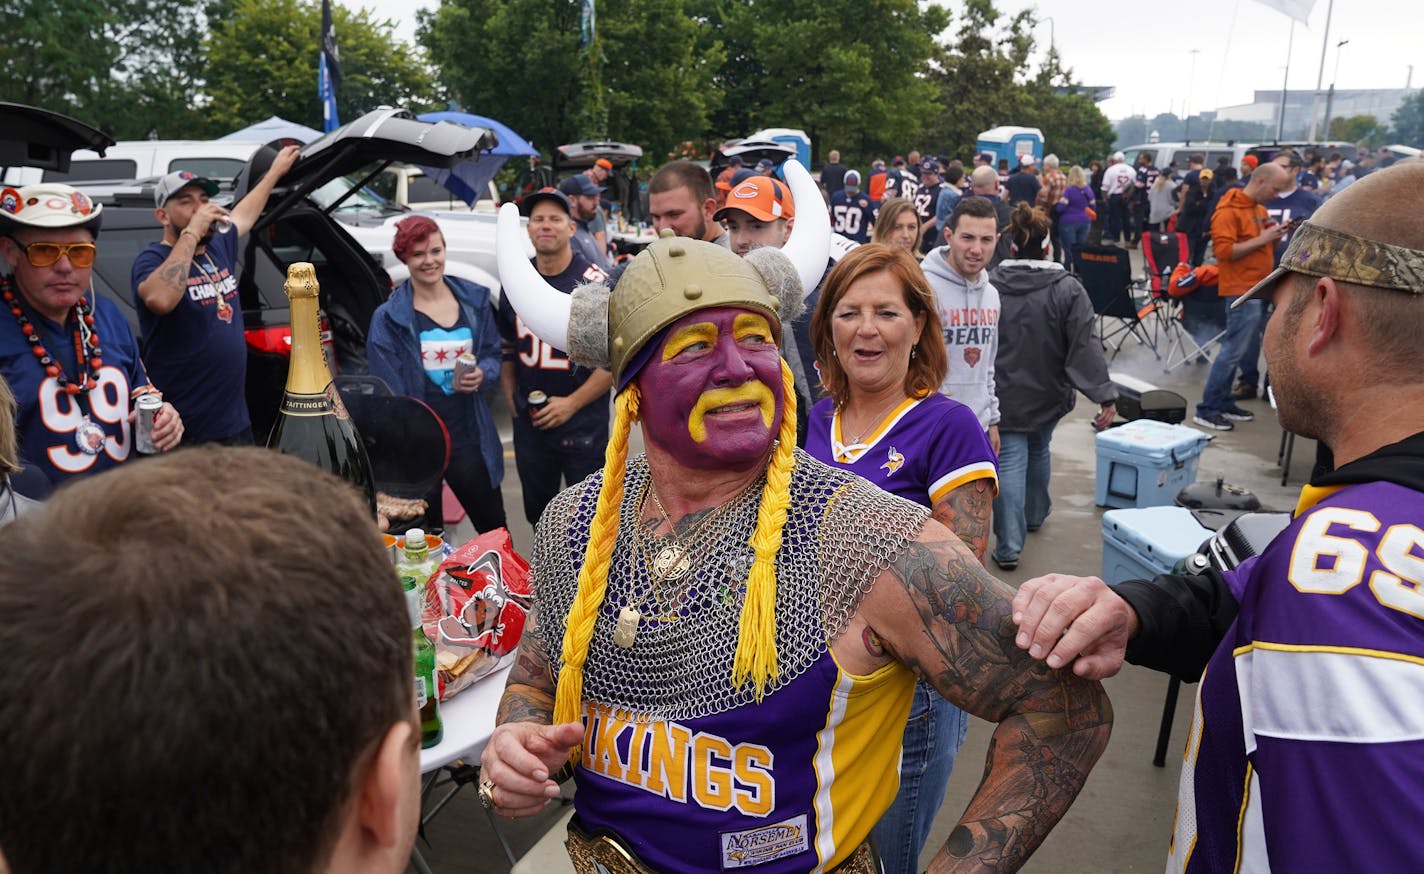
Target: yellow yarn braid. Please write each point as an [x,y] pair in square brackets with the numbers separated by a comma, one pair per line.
[756,638]
[593,576]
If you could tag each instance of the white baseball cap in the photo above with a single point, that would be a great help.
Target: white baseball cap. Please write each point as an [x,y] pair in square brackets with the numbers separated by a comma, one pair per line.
[49,205]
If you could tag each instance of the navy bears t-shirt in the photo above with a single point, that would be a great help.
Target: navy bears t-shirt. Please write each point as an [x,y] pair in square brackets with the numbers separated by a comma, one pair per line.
[196,354]
[540,367]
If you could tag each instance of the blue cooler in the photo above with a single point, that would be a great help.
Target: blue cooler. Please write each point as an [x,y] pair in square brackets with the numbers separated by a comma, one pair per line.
[1146,463]
[1139,544]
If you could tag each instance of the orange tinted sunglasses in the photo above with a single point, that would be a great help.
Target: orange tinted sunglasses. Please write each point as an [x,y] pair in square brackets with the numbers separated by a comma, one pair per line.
[46,254]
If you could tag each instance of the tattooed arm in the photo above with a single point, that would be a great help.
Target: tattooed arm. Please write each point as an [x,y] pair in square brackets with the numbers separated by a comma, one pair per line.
[162,289]
[525,750]
[967,511]
[939,612]
[529,691]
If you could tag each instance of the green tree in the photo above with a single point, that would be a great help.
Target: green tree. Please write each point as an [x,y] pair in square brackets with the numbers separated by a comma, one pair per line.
[1407,123]
[1362,129]
[522,61]
[262,61]
[983,82]
[793,64]
[1073,127]
[975,76]
[127,65]
[1130,131]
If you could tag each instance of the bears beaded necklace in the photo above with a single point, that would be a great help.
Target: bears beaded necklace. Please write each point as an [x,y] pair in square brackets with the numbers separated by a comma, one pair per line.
[88,437]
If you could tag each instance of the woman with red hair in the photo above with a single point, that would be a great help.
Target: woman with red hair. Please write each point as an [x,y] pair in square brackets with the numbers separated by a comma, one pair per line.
[416,336]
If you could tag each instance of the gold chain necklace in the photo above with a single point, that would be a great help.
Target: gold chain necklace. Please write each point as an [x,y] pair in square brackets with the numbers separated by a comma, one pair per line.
[672,563]
[871,425]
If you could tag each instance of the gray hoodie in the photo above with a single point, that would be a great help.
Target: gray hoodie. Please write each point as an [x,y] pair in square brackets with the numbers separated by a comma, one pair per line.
[969,318]
[1050,345]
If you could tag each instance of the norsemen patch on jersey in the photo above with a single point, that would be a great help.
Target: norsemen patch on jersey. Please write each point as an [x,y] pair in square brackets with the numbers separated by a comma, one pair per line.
[766,843]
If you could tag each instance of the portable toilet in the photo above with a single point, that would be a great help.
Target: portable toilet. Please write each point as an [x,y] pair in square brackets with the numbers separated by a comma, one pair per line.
[1011,142]
[796,139]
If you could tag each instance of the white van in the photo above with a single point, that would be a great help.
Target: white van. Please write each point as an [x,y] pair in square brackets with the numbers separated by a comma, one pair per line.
[1166,154]
[220,160]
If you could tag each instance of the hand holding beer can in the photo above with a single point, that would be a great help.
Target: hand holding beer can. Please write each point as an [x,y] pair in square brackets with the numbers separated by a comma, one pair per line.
[147,406]
[464,363]
[537,400]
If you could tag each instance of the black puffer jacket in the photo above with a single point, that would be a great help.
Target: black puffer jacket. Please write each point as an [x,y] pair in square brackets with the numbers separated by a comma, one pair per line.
[1047,345]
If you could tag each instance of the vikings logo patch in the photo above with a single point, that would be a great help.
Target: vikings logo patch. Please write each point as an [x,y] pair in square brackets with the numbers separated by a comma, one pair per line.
[971,355]
[493,618]
[894,462]
[10,200]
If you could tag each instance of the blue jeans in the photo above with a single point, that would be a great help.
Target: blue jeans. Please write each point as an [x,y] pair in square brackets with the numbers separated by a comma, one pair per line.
[1073,237]
[1251,357]
[1240,324]
[1023,500]
[933,734]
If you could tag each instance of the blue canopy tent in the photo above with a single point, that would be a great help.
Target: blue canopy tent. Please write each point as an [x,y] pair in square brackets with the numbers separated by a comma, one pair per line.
[274,128]
[466,179]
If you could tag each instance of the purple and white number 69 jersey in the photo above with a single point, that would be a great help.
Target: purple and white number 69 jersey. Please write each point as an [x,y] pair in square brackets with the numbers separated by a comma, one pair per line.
[1307,749]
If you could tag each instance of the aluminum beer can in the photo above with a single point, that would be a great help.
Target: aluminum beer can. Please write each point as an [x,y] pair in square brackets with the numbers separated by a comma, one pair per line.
[537,399]
[464,363]
[146,405]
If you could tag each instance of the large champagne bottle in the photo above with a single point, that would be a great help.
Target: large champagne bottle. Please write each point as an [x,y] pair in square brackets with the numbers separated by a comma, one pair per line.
[312,422]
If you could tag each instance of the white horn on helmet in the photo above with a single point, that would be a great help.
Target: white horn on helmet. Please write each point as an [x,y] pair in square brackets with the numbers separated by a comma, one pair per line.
[809,245]
[543,308]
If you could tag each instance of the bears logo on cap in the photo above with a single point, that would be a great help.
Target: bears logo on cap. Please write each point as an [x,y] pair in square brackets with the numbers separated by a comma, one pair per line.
[10,200]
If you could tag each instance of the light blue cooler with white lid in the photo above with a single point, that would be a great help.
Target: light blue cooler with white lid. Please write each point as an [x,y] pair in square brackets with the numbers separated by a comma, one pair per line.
[1146,463]
[1140,543]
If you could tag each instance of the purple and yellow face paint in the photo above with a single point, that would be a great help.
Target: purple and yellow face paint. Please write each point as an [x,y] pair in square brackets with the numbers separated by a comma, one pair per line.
[712,391]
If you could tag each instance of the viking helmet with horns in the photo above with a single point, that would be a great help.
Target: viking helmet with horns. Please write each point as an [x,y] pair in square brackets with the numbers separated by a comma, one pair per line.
[599,326]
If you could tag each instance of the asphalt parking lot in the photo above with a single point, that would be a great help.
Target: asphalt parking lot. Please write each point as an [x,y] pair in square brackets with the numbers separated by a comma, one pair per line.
[1123,818]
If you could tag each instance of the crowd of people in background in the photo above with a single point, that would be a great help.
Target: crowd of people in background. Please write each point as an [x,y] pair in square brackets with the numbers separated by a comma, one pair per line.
[947,338]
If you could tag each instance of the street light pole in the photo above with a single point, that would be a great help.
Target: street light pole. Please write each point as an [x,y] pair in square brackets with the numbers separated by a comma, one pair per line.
[1285,84]
[1315,103]
[1191,82]
[1334,77]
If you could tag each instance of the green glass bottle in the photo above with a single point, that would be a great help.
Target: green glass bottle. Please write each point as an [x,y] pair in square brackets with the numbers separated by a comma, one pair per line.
[427,687]
[416,558]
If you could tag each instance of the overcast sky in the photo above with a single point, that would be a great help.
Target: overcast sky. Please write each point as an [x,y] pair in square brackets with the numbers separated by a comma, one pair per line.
[1241,47]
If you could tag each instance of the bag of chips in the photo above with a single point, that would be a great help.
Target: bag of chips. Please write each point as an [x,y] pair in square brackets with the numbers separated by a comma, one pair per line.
[475,608]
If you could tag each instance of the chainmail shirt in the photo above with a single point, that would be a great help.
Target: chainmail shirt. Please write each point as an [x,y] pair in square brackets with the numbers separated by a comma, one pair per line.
[840,533]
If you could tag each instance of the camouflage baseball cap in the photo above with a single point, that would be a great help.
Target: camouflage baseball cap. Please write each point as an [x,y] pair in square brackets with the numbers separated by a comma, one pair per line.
[1319,251]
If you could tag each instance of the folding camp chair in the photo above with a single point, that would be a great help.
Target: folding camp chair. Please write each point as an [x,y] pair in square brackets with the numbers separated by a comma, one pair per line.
[1161,254]
[1202,307]
[1106,273]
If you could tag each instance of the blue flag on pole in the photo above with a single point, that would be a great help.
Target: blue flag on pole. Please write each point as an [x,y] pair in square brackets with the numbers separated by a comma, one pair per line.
[329,70]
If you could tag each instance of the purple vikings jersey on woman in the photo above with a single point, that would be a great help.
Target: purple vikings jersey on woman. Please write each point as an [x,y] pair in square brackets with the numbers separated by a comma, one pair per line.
[1314,754]
[931,444]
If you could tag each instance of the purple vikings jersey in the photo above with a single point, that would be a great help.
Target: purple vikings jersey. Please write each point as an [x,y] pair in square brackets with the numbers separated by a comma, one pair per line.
[1307,748]
[758,787]
[51,424]
[923,450]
